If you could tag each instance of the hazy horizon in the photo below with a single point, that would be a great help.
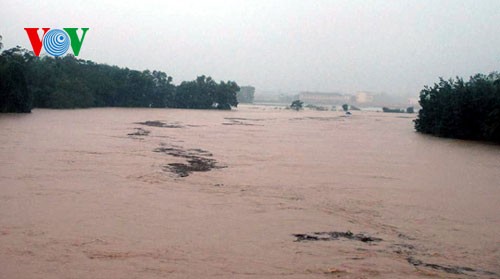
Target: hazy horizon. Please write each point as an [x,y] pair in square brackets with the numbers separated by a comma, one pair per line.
[395,47]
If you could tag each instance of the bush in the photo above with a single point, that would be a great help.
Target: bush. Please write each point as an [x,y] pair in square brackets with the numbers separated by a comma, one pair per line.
[296,105]
[464,110]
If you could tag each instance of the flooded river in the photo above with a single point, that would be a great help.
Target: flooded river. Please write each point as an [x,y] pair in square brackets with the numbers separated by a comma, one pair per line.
[255,192]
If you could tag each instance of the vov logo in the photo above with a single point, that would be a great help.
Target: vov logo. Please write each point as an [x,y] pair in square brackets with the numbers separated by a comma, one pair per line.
[56,42]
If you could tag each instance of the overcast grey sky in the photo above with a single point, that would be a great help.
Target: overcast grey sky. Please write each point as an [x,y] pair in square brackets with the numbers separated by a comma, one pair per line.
[395,47]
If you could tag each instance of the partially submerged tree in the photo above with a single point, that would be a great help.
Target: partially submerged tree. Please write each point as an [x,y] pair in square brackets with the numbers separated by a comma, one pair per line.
[28,81]
[205,93]
[297,105]
[14,93]
[458,109]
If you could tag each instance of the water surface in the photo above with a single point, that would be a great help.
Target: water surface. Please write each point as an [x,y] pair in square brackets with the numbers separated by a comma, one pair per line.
[83,194]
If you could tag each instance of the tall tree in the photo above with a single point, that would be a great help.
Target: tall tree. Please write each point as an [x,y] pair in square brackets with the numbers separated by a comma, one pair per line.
[458,109]
[14,93]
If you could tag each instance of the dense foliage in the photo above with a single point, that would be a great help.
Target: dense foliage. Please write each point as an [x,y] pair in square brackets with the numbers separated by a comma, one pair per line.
[465,110]
[28,81]
[14,93]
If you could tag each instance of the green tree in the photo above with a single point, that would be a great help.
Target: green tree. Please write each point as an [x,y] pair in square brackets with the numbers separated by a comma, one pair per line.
[163,91]
[205,93]
[14,93]
[297,105]
[225,96]
[196,94]
[345,107]
[458,109]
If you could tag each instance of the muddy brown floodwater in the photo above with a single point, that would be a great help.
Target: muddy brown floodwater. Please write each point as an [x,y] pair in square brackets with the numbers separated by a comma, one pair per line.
[255,192]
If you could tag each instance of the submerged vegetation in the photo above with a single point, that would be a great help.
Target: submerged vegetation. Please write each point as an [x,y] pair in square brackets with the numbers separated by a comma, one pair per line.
[297,105]
[27,81]
[465,110]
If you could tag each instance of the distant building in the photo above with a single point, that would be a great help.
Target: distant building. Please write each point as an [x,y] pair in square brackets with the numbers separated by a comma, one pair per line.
[246,94]
[320,98]
[363,97]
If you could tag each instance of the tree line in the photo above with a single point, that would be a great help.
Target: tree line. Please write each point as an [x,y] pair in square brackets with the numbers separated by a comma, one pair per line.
[466,110]
[27,81]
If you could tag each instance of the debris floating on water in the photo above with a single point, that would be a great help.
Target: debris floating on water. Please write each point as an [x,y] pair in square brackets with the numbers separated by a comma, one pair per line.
[157,123]
[448,269]
[197,160]
[139,132]
[327,236]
